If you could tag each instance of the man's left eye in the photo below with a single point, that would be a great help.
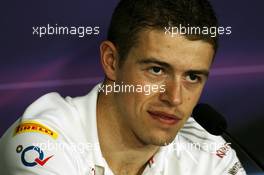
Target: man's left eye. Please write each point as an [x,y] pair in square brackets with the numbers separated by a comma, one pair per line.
[192,78]
[156,70]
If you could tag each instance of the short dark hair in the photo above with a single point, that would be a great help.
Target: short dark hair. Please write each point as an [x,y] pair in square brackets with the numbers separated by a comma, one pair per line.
[133,16]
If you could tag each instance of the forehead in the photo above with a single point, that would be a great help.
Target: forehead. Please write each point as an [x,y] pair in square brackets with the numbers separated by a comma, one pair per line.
[174,50]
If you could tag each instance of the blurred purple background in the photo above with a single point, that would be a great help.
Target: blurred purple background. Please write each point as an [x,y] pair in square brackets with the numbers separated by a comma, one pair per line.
[31,66]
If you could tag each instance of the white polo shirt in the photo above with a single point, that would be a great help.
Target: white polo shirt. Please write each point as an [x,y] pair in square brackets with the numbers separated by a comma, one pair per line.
[57,136]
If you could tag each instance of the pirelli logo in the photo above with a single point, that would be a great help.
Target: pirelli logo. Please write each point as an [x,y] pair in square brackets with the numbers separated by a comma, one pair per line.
[33,126]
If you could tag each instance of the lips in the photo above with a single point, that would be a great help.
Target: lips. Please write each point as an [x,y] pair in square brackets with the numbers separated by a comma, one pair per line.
[164,118]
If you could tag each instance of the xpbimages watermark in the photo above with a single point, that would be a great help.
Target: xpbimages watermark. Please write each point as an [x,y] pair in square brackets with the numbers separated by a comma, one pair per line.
[79,31]
[147,89]
[196,30]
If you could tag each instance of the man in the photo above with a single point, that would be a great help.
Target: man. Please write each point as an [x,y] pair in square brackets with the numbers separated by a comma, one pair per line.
[138,121]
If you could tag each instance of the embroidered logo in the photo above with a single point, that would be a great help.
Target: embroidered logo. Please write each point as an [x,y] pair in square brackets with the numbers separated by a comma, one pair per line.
[33,126]
[39,160]
[221,152]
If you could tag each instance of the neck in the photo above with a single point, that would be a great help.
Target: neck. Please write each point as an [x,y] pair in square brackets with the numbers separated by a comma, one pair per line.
[123,151]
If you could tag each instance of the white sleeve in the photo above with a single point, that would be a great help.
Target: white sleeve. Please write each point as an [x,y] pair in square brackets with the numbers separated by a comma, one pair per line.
[34,153]
[34,146]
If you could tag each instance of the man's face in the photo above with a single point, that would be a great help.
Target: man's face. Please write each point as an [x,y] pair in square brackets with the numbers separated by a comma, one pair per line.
[176,64]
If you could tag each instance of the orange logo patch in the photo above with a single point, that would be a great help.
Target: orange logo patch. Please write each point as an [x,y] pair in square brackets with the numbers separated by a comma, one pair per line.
[32,126]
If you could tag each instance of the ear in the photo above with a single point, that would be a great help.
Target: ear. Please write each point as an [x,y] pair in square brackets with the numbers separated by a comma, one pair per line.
[109,59]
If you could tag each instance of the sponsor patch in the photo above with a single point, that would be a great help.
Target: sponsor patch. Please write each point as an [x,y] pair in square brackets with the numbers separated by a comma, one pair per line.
[33,126]
[221,152]
[38,160]
[235,169]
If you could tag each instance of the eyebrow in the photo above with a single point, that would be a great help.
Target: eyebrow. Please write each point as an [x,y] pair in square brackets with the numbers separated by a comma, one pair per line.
[153,61]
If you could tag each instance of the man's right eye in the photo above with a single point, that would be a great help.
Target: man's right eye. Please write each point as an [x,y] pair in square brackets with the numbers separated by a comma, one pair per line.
[156,70]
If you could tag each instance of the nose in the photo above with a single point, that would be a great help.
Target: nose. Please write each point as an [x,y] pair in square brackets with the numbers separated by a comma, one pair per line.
[173,93]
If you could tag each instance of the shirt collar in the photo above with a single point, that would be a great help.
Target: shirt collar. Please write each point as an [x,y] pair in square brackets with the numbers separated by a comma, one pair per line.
[90,120]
